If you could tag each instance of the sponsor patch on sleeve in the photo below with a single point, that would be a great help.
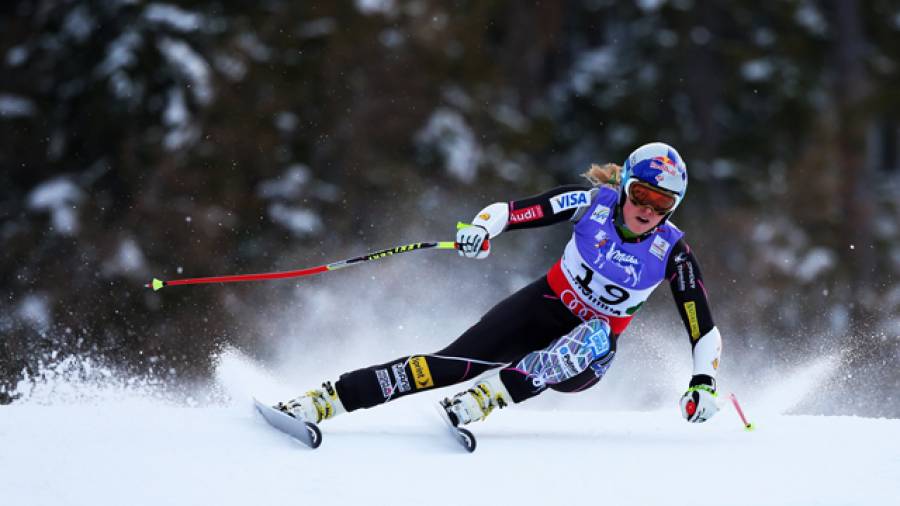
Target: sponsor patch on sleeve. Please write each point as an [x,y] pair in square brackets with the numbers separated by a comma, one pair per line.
[421,373]
[691,309]
[527,214]
[569,200]
[384,381]
[402,380]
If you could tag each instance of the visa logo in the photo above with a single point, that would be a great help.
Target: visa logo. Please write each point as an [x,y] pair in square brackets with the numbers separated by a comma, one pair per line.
[569,200]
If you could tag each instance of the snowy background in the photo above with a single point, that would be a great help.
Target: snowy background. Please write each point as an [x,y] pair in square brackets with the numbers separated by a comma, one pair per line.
[154,139]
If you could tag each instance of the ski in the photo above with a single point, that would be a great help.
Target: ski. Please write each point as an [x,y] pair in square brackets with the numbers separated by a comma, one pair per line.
[462,436]
[307,433]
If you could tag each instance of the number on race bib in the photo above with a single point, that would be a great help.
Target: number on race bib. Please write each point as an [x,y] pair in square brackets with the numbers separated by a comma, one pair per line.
[615,294]
[618,293]
[585,282]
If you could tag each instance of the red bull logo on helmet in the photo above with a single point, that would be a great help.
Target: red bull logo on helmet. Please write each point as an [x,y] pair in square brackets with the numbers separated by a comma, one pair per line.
[665,164]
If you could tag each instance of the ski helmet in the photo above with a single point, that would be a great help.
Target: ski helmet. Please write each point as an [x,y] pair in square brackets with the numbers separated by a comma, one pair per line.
[658,165]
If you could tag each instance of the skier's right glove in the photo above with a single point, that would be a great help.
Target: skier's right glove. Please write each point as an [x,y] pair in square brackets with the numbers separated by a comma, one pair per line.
[698,404]
[472,242]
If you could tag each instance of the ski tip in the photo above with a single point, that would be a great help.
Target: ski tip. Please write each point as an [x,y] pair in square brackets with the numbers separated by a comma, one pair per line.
[156,284]
[315,435]
[467,439]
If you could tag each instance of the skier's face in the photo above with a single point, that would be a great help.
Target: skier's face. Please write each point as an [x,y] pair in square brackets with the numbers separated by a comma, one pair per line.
[640,219]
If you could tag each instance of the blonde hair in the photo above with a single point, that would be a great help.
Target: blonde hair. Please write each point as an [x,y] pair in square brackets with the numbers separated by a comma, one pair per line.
[607,174]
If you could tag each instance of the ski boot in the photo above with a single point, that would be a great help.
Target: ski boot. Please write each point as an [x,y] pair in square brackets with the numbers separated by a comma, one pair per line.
[477,402]
[315,405]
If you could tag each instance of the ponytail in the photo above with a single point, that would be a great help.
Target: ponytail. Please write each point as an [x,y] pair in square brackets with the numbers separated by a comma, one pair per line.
[608,174]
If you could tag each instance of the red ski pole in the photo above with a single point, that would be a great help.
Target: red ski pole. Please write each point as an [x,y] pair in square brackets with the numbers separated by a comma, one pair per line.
[158,284]
[747,425]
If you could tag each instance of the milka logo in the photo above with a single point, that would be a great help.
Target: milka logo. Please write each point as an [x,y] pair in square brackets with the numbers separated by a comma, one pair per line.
[621,257]
[627,262]
[568,201]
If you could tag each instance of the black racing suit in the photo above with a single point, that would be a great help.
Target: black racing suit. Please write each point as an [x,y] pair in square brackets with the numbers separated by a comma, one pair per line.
[526,321]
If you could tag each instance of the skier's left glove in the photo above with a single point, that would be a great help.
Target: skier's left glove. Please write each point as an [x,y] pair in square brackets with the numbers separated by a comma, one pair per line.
[698,404]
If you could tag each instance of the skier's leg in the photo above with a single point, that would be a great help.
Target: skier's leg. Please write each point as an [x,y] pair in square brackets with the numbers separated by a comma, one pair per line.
[526,320]
[571,363]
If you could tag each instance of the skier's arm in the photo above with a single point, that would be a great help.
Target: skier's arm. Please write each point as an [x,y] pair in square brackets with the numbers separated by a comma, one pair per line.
[553,206]
[559,204]
[683,272]
[686,282]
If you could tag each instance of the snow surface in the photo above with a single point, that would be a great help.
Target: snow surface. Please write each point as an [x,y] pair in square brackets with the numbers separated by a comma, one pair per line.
[123,446]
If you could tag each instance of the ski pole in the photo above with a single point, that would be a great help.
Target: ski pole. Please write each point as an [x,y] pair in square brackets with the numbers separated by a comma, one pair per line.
[747,425]
[158,284]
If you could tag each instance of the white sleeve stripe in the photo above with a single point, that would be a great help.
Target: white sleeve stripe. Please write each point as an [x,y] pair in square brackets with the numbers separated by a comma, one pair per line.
[707,351]
[493,218]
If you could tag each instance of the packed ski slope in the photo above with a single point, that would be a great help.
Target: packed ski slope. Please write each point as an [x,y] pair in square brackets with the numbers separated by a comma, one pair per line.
[129,449]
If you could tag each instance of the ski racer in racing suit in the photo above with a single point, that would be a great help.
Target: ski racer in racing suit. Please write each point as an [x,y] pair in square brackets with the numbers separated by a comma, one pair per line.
[560,331]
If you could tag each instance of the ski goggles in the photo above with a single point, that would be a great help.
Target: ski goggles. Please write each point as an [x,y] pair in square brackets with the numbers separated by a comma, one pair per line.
[643,195]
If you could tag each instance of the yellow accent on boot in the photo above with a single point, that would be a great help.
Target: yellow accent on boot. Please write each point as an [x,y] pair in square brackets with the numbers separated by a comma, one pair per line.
[476,403]
[320,403]
[327,403]
[482,395]
[315,405]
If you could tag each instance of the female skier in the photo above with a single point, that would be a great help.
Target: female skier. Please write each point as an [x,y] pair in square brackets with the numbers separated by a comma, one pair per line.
[560,331]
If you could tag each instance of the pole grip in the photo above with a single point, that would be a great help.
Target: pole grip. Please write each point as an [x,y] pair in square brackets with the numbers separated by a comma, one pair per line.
[486,245]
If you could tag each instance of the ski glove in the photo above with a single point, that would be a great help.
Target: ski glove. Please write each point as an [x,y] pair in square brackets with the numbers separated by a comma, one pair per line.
[698,404]
[470,240]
